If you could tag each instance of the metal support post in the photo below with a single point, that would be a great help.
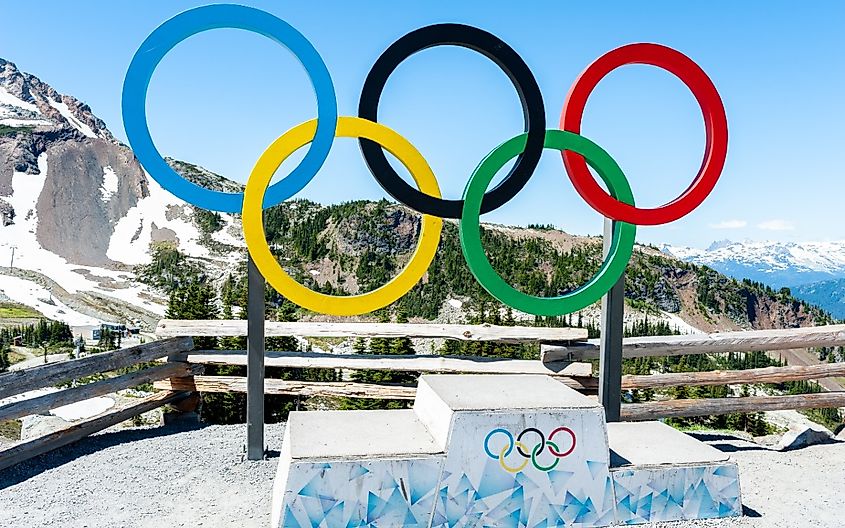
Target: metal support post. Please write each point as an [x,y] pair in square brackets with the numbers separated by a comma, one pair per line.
[255,362]
[610,350]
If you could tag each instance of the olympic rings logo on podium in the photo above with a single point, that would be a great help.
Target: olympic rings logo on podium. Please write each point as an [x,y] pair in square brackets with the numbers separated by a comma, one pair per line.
[529,455]
[576,150]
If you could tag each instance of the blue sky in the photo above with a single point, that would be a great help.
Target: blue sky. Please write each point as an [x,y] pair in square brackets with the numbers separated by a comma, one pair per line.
[221,97]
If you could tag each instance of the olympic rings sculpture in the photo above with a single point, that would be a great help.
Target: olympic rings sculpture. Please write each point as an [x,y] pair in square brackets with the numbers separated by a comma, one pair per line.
[576,150]
[529,455]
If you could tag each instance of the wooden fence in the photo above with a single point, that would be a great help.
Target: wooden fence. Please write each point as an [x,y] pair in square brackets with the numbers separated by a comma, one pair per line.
[563,353]
[565,362]
[19,382]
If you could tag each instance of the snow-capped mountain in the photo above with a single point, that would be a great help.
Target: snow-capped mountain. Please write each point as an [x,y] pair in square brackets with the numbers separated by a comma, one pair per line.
[774,263]
[77,210]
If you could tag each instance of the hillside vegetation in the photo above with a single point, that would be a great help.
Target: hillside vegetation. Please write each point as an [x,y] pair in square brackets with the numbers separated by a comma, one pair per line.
[356,246]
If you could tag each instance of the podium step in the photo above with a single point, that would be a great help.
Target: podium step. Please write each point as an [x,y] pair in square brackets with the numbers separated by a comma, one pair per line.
[356,468]
[662,474]
[440,397]
[351,434]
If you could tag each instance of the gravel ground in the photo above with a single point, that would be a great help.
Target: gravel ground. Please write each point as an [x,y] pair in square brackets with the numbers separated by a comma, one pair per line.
[144,478]
[175,476]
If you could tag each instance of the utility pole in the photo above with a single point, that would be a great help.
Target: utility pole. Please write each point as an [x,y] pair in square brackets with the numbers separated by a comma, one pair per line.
[12,263]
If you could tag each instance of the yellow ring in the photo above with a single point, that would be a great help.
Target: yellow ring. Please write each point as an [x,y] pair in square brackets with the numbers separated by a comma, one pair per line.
[256,239]
[510,469]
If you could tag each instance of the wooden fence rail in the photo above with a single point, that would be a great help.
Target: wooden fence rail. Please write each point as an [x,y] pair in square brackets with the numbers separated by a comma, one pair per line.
[734,377]
[486,332]
[21,408]
[19,381]
[575,375]
[712,406]
[417,362]
[290,387]
[22,381]
[562,349]
[678,345]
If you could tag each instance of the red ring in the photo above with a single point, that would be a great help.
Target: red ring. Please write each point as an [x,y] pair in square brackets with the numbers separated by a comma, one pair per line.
[571,449]
[715,123]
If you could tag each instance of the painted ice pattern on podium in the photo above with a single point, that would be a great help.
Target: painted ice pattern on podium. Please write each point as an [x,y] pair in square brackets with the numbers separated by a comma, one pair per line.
[378,494]
[644,495]
[476,490]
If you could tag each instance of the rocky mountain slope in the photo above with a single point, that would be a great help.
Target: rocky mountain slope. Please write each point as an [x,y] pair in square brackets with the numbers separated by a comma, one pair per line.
[76,206]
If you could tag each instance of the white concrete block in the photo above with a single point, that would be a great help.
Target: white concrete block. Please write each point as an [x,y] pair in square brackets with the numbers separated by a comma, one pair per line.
[494,450]
[471,392]
[433,412]
[281,481]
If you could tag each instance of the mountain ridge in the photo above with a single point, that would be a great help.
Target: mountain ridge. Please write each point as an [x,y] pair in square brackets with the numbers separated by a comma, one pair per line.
[775,263]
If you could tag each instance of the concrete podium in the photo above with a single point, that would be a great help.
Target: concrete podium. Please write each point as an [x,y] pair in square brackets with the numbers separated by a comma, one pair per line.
[494,451]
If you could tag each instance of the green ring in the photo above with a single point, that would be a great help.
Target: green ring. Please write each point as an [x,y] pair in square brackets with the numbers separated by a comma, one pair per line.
[539,448]
[621,247]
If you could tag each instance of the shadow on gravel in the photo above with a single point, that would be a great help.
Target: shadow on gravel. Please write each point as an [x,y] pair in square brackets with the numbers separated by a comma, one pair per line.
[731,448]
[710,437]
[86,446]
[829,441]
[720,442]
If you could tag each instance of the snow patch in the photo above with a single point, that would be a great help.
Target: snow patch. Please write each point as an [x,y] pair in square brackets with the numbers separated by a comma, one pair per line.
[20,237]
[231,234]
[129,244]
[454,303]
[17,122]
[109,186]
[83,409]
[769,256]
[37,297]
[8,99]
[675,321]
[72,119]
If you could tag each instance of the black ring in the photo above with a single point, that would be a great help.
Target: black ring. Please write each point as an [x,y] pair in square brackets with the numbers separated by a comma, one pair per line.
[517,71]
[530,430]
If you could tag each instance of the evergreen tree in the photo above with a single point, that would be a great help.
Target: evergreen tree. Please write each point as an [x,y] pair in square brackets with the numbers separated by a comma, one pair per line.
[402,346]
[5,363]
[195,300]
[360,346]
[386,347]
[107,339]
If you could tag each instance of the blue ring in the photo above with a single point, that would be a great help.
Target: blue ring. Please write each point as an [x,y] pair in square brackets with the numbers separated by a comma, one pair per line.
[194,21]
[487,441]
